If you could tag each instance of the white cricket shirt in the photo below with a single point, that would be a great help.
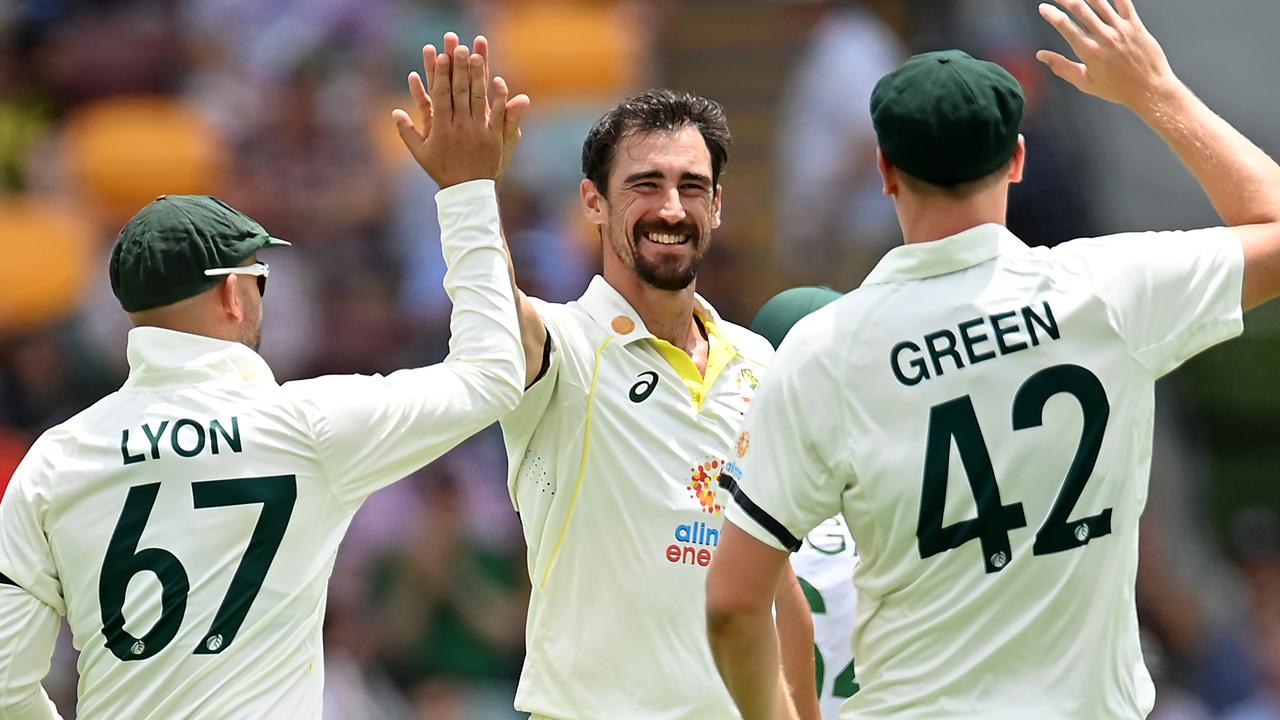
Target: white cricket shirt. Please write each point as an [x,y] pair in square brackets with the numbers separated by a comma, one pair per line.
[614,457]
[981,413]
[824,564]
[186,525]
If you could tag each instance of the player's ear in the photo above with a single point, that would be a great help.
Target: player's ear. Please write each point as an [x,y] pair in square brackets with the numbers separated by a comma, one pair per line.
[888,175]
[593,202]
[228,295]
[1019,160]
[715,208]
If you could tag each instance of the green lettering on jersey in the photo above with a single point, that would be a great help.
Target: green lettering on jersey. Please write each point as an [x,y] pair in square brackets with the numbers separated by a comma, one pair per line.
[175,435]
[124,449]
[155,438]
[233,438]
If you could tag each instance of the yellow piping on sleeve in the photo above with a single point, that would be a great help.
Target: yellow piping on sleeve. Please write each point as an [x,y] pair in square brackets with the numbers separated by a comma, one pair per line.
[582,468]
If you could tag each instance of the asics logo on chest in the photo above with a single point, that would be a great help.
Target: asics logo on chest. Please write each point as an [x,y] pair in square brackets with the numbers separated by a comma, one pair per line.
[644,387]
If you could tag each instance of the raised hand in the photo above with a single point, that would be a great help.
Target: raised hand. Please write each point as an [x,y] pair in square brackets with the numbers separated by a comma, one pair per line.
[1120,61]
[459,135]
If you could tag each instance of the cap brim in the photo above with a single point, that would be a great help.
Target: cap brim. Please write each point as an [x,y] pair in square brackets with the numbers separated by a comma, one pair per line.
[277,242]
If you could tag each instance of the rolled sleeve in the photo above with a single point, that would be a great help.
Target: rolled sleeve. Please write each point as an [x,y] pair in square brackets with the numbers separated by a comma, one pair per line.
[1170,295]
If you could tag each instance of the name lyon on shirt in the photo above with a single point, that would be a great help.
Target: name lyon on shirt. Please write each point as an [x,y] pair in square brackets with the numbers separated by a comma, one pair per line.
[187,438]
[1008,329]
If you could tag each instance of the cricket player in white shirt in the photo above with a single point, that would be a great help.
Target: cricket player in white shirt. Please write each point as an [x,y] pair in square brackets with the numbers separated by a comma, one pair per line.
[981,412]
[636,396]
[186,525]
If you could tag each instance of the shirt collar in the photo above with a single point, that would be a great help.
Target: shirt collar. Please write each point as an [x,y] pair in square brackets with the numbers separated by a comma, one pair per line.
[164,357]
[611,310]
[916,261]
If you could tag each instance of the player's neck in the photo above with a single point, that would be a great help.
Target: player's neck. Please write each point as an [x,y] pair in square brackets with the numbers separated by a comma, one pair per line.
[926,219]
[666,314]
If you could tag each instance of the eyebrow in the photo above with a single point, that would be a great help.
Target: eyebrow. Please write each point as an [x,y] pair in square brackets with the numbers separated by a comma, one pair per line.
[657,175]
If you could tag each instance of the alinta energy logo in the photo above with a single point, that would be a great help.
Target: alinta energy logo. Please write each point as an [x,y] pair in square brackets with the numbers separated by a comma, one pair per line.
[695,542]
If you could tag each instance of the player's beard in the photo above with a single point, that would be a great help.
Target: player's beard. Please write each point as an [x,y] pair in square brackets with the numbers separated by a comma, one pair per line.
[251,334]
[668,273]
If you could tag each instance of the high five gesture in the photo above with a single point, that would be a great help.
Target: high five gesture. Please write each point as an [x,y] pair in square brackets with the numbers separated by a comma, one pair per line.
[459,134]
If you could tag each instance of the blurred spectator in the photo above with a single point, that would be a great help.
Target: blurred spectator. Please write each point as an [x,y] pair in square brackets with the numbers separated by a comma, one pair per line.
[449,607]
[834,221]
[1256,540]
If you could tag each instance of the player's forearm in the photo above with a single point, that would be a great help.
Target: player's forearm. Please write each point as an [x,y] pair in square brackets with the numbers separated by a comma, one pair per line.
[485,344]
[744,644]
[795,642]
[28,630]
[1242,182]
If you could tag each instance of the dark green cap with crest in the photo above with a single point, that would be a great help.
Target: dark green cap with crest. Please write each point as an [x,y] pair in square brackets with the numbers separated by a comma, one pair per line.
[947,118]
[160,256]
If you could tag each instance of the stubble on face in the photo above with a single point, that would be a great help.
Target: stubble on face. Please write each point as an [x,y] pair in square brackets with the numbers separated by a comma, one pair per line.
[664,272]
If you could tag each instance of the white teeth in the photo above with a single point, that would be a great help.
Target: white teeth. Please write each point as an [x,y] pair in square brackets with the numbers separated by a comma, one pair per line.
[666,239]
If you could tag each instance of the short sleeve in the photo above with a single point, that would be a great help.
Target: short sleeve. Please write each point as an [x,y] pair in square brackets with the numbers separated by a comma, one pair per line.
[1170,295]
[787,481]
[25,555]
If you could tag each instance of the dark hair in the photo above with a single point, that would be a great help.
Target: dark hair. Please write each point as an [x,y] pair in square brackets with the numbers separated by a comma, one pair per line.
[658,109]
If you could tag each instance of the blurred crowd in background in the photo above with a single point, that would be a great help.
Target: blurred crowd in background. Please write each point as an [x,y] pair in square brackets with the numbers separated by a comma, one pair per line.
[282,108]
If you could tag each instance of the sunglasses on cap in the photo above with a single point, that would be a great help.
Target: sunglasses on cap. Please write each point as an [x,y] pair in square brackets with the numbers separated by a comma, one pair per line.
[259,269]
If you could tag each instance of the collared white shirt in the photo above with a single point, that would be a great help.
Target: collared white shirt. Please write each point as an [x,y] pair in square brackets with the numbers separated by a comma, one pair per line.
[981,414]
[186,524]
[614,457]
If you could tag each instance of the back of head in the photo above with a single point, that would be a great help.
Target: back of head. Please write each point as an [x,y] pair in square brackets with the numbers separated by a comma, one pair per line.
[782,311]
[947,120]
[162,254]
[658,110]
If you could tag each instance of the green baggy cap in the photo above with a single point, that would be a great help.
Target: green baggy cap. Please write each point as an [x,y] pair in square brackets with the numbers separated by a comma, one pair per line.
[947,118]
[782,311]
[160,256]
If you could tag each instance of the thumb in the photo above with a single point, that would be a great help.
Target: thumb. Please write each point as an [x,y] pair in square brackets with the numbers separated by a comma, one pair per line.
[516,107]
[1073,72]
[408,134]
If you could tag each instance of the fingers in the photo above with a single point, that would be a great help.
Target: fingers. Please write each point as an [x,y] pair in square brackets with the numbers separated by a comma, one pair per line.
[442,89]
[451,43]
[429,63]
[1084,17]
[1104,11]
[1073,72]
[461,80]
[1126,10]
[515,109]
[1066,28]
[481,47]
[478,69]
[421,100]
[498,115]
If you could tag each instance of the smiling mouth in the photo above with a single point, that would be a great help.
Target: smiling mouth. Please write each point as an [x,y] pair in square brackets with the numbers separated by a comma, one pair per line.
[667,238]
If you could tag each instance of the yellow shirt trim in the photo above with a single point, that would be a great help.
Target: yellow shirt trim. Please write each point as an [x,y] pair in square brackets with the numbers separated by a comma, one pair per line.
[582,469]
[719,353]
